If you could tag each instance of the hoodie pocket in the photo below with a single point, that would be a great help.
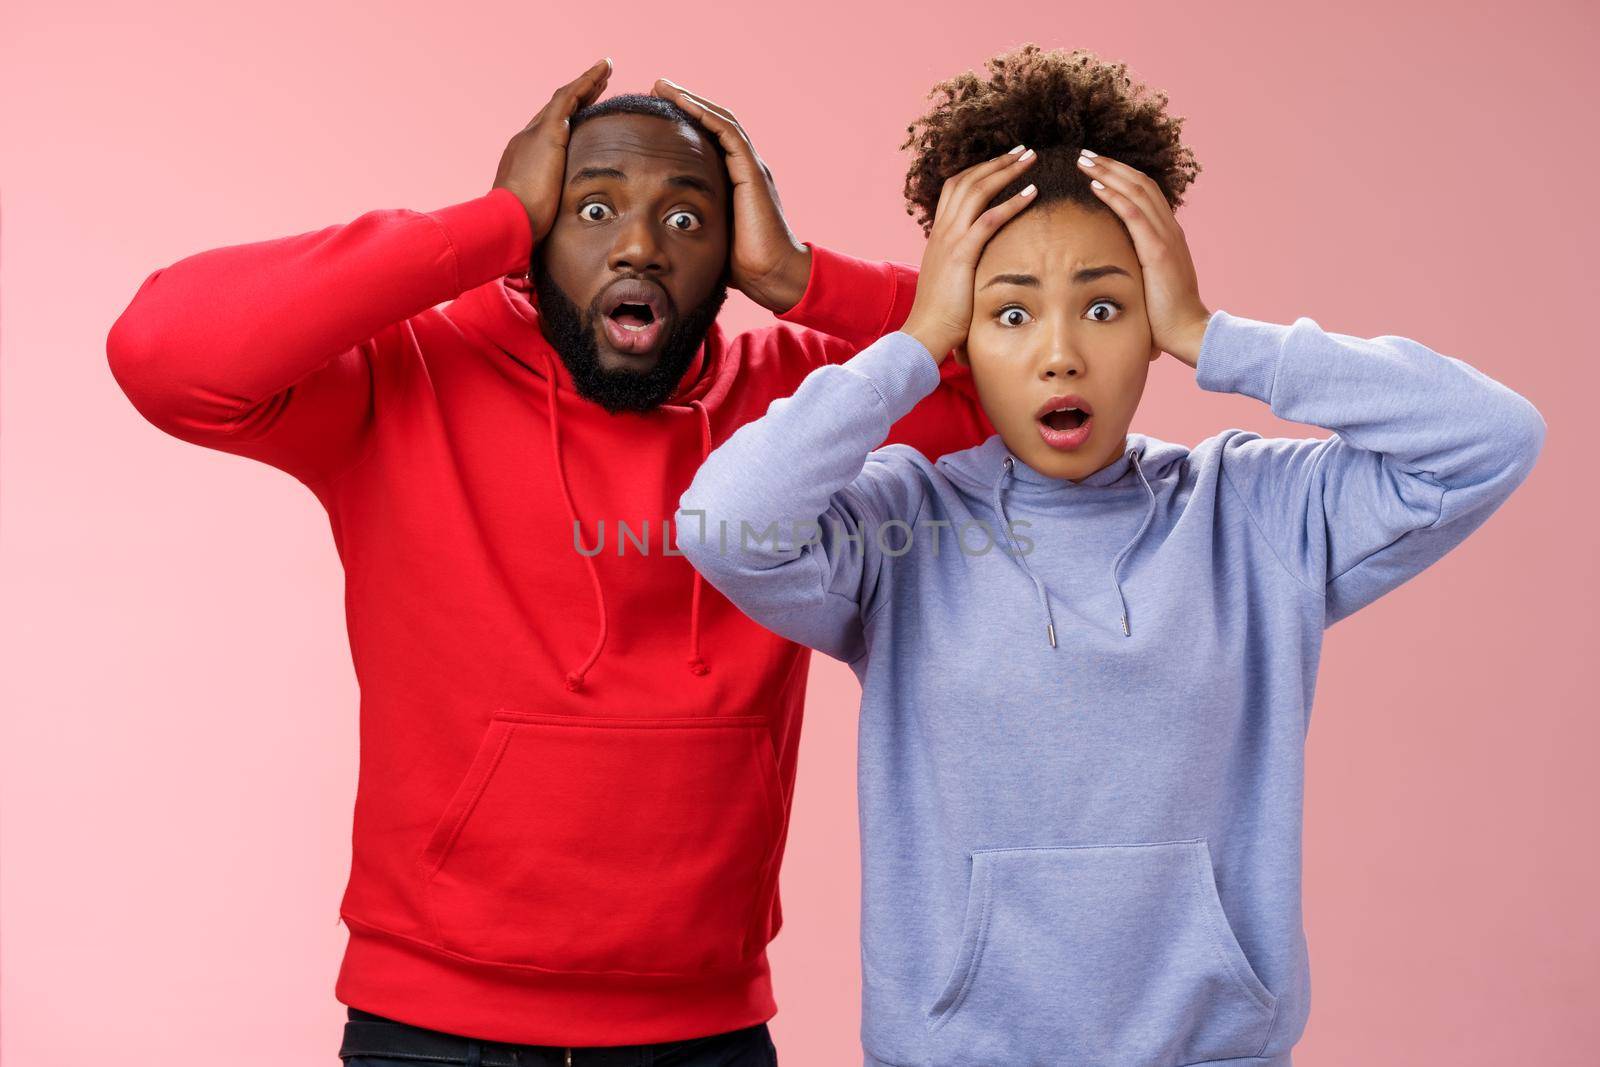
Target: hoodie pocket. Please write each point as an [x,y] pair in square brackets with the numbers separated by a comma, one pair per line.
[641,846]
[1116,954]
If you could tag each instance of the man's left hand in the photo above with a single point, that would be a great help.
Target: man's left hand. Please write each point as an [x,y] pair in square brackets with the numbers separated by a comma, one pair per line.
[767,263]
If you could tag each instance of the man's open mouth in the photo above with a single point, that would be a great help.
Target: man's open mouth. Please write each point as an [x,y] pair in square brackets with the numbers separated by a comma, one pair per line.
[635,315]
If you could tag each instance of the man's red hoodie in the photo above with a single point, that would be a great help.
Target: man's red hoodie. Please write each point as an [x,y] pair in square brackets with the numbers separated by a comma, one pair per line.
[575,766]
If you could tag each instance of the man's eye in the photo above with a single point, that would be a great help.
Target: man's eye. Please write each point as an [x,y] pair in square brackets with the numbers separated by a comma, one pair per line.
[683,220]
[595,211]
[1114,309]
[1014,316]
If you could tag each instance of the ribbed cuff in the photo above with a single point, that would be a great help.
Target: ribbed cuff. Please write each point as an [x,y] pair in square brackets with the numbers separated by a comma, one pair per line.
[1240,355]
[491,237]
[901,368]
[849,298]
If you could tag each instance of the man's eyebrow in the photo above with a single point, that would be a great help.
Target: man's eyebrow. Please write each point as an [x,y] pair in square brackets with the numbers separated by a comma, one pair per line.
[1087,274]
[590,173]
[682,181]
[690,181]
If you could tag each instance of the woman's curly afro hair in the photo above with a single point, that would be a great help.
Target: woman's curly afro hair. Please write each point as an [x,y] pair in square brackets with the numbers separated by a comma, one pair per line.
[1055,102]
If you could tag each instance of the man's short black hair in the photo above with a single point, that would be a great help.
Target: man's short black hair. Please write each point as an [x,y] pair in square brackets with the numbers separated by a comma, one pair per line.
[645,104]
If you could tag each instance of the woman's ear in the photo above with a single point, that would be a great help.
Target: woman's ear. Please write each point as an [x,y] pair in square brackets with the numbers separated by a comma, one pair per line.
[959,354]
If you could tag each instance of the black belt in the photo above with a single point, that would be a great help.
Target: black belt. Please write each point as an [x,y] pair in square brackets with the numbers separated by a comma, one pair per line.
[373,1035]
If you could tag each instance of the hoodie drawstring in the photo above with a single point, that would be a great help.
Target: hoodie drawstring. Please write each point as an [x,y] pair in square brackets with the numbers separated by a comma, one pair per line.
[697,663]
[1005,526]
[574,677]
[1116,565]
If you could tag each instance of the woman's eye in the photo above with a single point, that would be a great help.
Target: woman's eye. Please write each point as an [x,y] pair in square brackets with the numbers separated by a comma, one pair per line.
[1013,316]
[683,220]
[1111,310]
[595,211]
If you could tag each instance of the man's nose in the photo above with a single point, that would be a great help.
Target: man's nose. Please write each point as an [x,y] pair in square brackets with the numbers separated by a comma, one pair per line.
[638,248]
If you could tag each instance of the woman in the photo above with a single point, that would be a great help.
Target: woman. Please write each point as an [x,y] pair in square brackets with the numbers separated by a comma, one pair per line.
[1087,656]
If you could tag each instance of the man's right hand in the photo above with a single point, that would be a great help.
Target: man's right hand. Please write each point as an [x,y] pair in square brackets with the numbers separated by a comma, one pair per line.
[535,161]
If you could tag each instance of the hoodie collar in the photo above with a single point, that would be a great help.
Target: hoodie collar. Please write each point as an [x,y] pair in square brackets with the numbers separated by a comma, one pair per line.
[499,314]
[978,467]
[992,470]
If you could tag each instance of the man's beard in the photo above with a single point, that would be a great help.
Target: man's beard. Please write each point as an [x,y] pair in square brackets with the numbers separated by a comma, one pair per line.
[572,334]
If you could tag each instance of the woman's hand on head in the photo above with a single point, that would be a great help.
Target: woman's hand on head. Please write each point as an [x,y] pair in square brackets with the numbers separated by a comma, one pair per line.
[1177,315]
[962,225]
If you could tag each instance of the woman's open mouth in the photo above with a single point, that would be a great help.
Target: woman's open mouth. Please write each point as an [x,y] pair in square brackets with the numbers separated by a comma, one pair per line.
[1065,422]
[635,315]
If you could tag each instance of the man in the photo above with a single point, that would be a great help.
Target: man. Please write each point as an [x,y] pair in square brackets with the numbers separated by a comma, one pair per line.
[576,759]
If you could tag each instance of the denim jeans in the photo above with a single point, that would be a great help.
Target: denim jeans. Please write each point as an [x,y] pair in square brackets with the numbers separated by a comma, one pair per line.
[373,1041]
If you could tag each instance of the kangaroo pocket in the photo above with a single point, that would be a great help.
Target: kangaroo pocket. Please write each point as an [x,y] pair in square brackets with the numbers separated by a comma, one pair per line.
[1117,955]
[643,846]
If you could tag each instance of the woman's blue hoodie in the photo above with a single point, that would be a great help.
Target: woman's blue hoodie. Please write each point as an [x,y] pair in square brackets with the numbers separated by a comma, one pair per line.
[1084,704]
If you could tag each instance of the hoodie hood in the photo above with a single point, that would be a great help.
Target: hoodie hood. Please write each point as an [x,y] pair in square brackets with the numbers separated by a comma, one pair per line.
[991,472]
[501,315]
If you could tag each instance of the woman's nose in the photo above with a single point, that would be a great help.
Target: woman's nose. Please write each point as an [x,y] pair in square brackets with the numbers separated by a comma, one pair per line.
[1061,359]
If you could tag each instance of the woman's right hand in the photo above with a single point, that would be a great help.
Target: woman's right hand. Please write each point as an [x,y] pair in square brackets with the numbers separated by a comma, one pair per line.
[534,163]
[942,311]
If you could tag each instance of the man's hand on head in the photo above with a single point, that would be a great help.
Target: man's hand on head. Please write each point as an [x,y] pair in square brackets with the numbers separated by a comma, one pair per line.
[767,263]
[535,161]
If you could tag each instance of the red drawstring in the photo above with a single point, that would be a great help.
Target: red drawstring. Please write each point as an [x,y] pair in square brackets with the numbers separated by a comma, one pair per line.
[574,678]
[697,663]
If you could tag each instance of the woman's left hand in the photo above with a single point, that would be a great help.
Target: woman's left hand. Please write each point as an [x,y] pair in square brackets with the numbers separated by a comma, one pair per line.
[1171,292]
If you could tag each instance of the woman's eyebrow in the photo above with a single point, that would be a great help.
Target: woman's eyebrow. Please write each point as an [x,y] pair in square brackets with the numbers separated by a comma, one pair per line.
[1089,274]
[1011,279]
[1081,277]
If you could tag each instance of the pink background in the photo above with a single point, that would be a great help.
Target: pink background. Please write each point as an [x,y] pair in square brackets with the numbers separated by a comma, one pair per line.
[178,742]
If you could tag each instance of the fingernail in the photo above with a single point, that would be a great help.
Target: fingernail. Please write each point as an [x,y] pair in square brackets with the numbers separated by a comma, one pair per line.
[1029,191]
[1029,154]
[1088,153]
[1096,184]
[1014,151]
[1085,161]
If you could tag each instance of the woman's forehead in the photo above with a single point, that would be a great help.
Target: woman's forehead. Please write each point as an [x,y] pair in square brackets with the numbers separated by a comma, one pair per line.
[1052,241]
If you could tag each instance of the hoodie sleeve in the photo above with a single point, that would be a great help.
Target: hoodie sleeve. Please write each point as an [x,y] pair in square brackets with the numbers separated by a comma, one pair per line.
[848,304]
[1424,449]
[792,516]
[267,349]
